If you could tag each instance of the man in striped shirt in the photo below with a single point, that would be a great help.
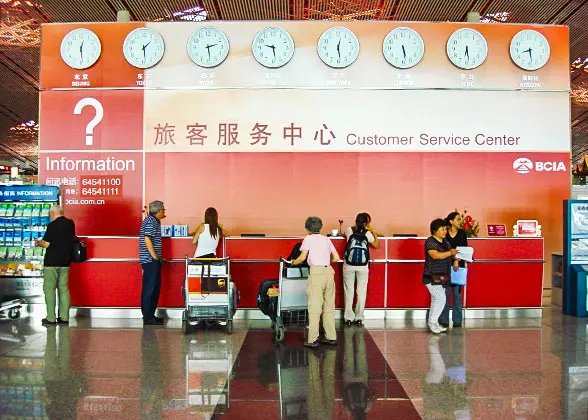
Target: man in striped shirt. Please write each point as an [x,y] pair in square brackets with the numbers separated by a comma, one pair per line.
[150,258]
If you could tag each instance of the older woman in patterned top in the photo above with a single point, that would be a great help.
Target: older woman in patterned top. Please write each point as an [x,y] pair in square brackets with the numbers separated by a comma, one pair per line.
[438,259]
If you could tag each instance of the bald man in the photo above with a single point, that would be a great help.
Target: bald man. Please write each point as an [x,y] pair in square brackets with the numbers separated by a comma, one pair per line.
[58,242]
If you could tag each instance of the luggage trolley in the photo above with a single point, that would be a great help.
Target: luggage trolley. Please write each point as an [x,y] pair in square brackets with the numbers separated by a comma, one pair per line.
[208,293]
[292,306]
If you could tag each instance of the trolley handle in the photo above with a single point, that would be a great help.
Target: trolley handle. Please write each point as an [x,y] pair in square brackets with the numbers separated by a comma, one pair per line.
[286,262]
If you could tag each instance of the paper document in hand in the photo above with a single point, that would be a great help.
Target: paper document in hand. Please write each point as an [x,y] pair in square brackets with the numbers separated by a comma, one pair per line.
[465,253]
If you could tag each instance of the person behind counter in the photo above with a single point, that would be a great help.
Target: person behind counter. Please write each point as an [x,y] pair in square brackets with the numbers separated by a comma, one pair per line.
[456,237]
[207,235]
[321,282]
[438,260]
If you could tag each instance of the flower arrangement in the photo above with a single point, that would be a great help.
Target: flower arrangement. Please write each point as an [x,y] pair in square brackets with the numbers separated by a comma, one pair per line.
[470,225]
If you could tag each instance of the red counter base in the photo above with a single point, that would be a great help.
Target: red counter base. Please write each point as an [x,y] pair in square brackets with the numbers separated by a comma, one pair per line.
[508,272]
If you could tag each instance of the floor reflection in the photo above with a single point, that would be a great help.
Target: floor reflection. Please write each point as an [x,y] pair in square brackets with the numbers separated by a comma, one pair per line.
[349,381]
[520,369]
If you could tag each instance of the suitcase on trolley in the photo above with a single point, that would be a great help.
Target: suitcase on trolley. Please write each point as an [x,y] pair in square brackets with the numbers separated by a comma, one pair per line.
[209,294]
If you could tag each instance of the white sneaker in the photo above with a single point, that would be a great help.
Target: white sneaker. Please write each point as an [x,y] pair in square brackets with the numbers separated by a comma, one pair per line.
[434,328]
[441,328]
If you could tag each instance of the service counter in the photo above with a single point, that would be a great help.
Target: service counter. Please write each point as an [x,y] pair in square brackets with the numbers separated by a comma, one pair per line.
[507,272]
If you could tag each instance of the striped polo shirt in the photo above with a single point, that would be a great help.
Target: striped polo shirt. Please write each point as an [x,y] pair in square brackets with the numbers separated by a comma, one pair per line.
[151,227]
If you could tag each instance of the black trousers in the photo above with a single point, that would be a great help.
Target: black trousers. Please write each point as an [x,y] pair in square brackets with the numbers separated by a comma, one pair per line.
[151,288]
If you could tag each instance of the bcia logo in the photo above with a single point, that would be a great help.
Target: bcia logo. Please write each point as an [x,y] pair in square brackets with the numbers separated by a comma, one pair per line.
[524,166]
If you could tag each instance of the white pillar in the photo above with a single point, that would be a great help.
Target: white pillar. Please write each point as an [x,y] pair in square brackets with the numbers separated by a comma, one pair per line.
[123,16]
[473,17]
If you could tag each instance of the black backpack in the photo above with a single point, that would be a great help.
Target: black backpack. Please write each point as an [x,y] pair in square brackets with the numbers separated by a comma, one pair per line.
[264,302]
[295,253]
[357,251]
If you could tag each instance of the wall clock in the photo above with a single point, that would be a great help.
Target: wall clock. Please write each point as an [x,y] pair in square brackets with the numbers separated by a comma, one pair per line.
[208,46]
[273,47]
[143,48]
[338,47]
[80,48]
[403,48]
[467,48]
[529,49]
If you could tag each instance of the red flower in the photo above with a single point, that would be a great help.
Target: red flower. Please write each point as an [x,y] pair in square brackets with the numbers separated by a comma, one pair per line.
[468,219]
[467,226]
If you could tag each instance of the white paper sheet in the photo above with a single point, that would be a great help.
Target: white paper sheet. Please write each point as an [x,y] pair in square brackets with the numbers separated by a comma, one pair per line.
[465,253]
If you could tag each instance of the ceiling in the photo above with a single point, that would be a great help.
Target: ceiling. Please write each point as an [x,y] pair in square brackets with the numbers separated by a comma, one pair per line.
[20,22]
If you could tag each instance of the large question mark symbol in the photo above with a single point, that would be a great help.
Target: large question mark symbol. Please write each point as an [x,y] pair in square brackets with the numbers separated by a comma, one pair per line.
[94,103]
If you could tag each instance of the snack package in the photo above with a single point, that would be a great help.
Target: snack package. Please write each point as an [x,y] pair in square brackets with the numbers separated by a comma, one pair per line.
[28,210]
[28,253]
[36,210]
[13,253]
[8,236]
[19,210]
[45,209]
[10,207]
[18,236]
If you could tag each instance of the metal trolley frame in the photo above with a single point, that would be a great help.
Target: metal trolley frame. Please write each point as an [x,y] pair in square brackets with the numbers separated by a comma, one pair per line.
[292,306]
[206,306]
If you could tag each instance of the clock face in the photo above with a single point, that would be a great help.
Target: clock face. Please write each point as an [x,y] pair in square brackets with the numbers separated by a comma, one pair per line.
[467,48]
[80,48]
[529,50]
[273,47]
[403,48]
[208,46]
[143,48]
[338,47]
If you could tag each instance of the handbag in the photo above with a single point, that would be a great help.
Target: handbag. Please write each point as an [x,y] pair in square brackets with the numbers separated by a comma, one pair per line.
[442,279]
[78,252]
[459,277]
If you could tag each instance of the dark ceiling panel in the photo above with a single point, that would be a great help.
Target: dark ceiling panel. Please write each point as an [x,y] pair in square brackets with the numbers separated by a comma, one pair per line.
[578,23]
[433,10]
[524,11]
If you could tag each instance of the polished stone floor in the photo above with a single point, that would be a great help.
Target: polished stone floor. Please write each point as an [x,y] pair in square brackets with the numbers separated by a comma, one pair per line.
[116,369]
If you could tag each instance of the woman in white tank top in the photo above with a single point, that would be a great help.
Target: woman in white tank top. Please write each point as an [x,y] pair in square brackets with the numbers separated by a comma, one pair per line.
[207,235]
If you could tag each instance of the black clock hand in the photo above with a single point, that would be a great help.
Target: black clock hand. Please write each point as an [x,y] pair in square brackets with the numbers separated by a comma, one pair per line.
[467,52]
[81,50]
[208,49]
[404,52]
[530,53]
[339,48]
[273,47]
[144,48]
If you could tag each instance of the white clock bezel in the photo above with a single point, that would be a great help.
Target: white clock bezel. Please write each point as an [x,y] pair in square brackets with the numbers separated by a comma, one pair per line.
[513,54]
[325,34]
[260,59]
[390,59]
[195,59]
[448,45]
[93,59]
[127,40]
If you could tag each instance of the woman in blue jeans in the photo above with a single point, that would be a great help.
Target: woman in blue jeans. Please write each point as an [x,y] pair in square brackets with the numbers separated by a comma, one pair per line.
[456,237]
